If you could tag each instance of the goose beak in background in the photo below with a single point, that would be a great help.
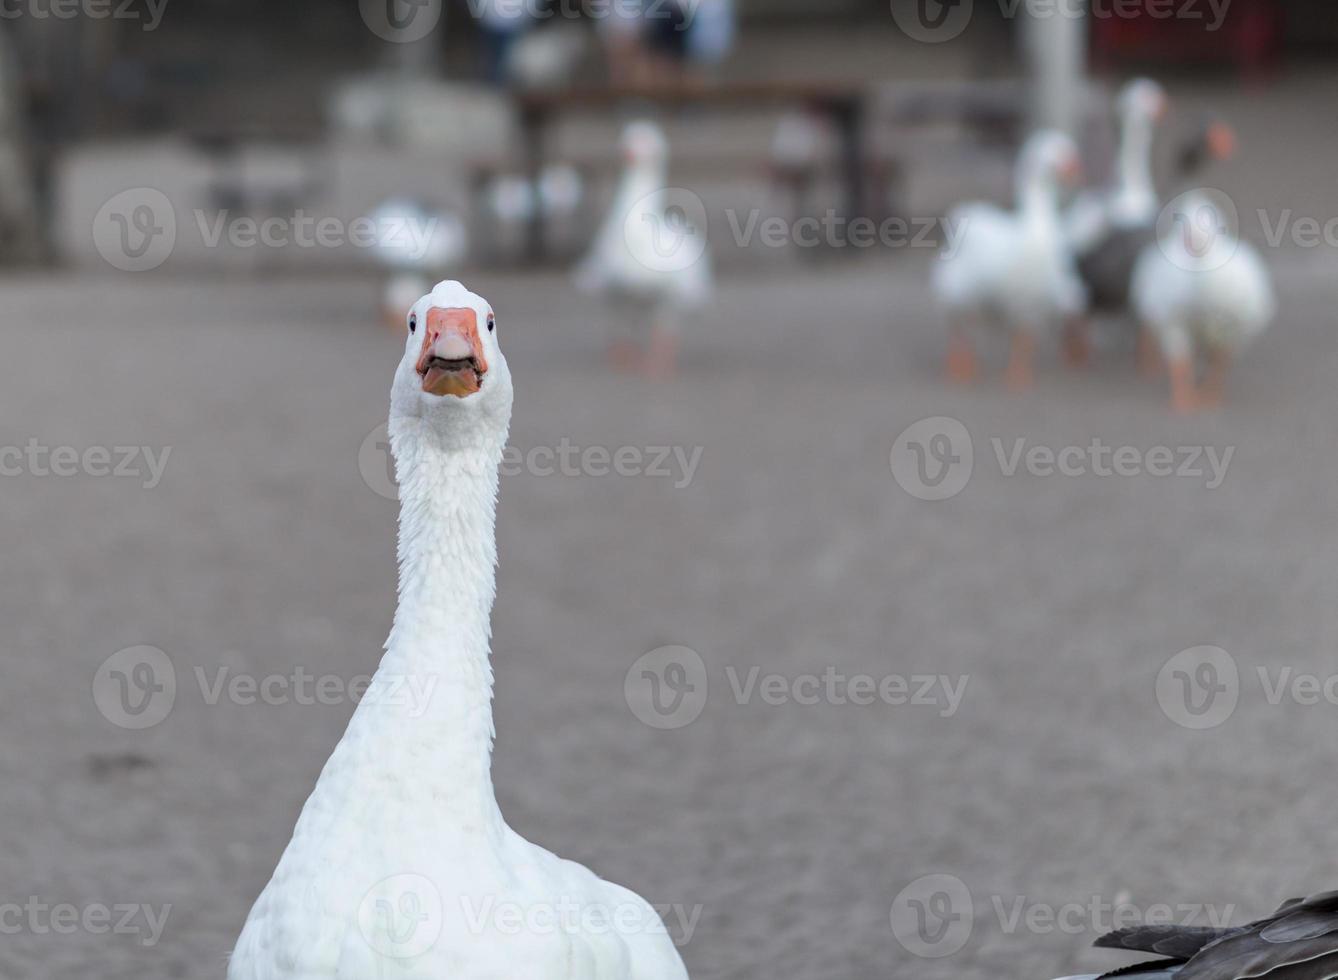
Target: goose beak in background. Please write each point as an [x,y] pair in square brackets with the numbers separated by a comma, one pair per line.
[1221,141]
[452,361]
[1161,109]
[1070,171]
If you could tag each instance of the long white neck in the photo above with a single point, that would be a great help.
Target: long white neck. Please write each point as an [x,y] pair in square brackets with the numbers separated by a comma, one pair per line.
[440,741]
[1038,200]
[642,187]
[1134,170]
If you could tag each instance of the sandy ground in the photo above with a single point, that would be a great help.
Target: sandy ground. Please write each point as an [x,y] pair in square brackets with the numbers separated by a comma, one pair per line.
[789,828]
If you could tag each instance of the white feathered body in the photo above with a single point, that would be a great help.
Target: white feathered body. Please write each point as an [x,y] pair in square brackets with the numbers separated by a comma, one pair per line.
[1011,269]
[646,254]
[367,882]
[1213,299]
[401,866]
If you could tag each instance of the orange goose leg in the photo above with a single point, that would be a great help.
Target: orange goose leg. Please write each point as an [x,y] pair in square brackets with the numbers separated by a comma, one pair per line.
[1019,375]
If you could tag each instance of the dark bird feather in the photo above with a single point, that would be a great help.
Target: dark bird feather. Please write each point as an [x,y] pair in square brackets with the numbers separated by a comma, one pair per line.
[1297,942]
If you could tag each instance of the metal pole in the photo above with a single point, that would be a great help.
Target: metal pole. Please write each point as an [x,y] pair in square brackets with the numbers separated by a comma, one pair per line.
[1054,36]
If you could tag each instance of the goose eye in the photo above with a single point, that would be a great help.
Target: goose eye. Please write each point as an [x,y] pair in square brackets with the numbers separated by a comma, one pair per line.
[492,324]
[413,324]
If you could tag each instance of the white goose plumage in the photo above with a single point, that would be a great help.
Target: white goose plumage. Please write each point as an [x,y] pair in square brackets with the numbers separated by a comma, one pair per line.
[1202,293]
[1012,269]
[401,866]
[648,254]
[1131,202]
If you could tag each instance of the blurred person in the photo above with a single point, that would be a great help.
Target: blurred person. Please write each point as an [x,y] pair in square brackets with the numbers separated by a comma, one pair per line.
[667,25]
[711,34]
[622,28]
[503,22]
[688,39]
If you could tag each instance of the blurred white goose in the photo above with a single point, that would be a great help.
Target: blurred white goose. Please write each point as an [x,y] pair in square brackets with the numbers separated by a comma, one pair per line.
[401,866]
[1012,269]
[1202,293]
[418,243]
[1131,201]
[648,259]
[1108,228]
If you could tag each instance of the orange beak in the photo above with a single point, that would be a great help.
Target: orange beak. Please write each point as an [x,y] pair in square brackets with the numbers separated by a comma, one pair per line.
[1071,171]
[1221,141]
[452,361]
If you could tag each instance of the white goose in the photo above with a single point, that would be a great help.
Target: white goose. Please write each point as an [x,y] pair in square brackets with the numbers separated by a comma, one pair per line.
[648,255]
[1014,269]
[1108,228]
[1201,292]
[401,865]
[1131,202]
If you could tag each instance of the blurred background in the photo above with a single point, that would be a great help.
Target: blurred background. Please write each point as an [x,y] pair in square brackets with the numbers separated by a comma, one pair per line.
[1098,689]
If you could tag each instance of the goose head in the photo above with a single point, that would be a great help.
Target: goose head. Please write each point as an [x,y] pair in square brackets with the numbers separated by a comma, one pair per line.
[644,145]
[452,370]
[1213,142]
[1197,230]
[1049,158]
[1142,103]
